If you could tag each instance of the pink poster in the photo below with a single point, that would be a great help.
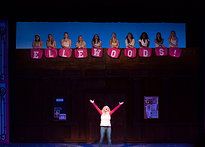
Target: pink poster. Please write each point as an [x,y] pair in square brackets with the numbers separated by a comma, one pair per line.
[65,52]
[161,51]
[36,53]
[51,53]
[81,53]
[97,52]
[130,52]
[113,52]
[175,52]
[145,52]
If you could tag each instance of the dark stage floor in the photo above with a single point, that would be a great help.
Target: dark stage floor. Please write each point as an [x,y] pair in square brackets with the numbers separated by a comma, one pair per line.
[95,145]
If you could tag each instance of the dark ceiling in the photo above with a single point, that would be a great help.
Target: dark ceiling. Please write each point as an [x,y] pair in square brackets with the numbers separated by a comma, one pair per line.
[104,10]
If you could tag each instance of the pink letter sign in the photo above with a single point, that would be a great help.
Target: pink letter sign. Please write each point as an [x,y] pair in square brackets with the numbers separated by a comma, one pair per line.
[161,51]
[97,52]
[51,53]
[130,52]
[65,52]
[81,53]
[145,52]
[113,52]
[36,53]
[175,52]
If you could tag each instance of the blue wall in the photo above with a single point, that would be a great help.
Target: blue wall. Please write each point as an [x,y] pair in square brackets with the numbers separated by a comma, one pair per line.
[26,31]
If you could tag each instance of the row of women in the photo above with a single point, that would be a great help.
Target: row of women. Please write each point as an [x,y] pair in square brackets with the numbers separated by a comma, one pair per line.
[114,42]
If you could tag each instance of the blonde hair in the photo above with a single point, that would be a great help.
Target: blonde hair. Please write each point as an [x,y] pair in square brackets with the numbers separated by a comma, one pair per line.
[104,109]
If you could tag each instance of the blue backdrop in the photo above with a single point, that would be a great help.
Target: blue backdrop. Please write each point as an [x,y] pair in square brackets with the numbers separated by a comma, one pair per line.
[25,32]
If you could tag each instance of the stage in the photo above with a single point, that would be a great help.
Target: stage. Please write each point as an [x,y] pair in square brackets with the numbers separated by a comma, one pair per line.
[96,145]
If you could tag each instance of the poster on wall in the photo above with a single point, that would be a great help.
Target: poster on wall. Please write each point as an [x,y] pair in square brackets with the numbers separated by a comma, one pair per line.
[59,110]
[151,107]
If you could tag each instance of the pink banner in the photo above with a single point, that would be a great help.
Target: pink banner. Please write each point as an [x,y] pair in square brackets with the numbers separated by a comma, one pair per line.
[113,52]
[97,52]
[161,51]
[81,53]
[65,52]
[51,53]
[145,52]
[130,52]
[36,53]
[175,52]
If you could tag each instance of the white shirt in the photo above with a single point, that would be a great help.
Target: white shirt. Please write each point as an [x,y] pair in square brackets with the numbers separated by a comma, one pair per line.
[173,43]
[98,44]
[105,119]
[132,43]
[144,43]
[66,44]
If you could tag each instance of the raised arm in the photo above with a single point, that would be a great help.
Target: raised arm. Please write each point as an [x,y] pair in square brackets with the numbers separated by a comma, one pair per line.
[96,107]
[117,107]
